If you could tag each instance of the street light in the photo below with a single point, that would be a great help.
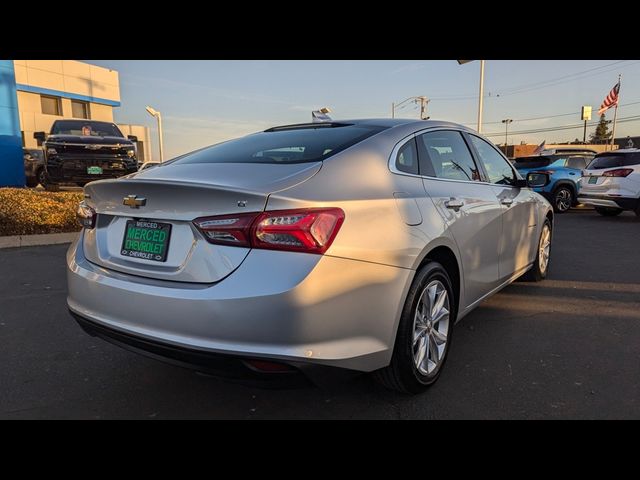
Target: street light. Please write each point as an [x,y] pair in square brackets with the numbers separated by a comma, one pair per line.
[154,113]
[423,106]
[506,122]
[481,94]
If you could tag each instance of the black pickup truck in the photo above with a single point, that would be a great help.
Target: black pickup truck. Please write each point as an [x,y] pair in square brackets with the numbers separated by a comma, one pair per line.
[80,151]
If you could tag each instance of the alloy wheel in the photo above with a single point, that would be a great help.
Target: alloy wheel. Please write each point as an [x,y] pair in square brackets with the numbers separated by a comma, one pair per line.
[544,248]
[563,199]
[431,327]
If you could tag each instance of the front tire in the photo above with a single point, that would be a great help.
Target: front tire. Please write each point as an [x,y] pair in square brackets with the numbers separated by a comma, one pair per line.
[540,268]
[43,179]
[563,199]
[608,211]
[424,333]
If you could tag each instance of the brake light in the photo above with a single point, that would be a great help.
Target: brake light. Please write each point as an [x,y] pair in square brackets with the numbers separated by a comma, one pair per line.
[620,172]
[310,230]
[86,215]
[227,229]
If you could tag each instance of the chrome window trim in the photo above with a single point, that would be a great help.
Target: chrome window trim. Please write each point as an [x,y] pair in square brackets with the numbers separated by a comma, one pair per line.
[401,143]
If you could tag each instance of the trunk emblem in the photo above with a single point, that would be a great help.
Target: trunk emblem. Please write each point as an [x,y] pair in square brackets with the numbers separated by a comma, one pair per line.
[93,147]
[134,201]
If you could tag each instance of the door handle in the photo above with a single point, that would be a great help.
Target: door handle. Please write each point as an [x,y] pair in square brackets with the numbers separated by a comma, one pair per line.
[571,173]
[454,203]
[507,201]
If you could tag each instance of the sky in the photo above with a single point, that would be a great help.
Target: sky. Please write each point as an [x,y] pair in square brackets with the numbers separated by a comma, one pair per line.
[208,101]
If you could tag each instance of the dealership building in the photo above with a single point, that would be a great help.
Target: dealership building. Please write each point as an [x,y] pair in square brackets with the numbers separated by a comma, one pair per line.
[35,93]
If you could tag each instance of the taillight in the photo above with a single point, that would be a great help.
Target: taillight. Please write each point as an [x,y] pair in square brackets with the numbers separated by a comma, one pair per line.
[620,172]
[310,230]
[227,229]
[86,215]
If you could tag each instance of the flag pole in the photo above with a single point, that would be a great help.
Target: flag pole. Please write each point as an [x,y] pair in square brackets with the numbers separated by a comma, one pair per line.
[615,112]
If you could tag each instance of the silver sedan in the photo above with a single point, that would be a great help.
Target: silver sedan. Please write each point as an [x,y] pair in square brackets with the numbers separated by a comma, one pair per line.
[352,245]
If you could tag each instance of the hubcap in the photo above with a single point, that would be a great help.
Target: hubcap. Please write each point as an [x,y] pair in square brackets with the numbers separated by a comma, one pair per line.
[544,248]
[430,327]
[563,200]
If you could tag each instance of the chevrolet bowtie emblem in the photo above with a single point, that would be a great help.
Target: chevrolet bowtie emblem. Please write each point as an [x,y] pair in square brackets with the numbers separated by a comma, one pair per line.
[134,201]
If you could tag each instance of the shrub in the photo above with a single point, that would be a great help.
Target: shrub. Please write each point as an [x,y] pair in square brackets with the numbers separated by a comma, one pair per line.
[26,211]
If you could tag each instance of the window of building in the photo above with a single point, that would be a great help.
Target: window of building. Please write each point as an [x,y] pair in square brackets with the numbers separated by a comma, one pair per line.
[22,134]
[407,158]
[79,109]
[50,105]
[444,154]
[498,168]
[140,151]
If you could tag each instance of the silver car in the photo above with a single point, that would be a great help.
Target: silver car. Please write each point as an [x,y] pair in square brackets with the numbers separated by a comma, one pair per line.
[352,245]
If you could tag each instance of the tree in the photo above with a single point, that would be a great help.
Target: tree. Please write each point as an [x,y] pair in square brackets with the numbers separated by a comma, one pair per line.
[602,133]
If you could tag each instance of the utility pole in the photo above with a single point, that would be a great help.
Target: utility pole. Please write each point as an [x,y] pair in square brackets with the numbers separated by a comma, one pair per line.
[480,96]
[423,106]
[506,122]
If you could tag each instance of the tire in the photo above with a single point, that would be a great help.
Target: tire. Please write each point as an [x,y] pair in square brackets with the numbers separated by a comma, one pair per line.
[32,182]
[608,211]
[414,365]
[540,268]
[563,199]
[43,179]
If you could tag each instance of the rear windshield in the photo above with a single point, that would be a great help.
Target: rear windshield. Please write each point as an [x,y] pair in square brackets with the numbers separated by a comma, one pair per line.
[613,160]
[79,127]
[284,145]
[532,162]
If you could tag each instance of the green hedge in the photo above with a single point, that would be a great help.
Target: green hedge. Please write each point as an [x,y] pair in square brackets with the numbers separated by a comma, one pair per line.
[25,211]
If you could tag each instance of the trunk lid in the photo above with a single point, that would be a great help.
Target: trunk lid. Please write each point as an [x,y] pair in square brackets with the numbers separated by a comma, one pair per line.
[176,195]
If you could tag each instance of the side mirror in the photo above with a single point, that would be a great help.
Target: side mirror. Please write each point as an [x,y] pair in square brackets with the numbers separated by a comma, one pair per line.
[133,138]
[40,136]
[537,179]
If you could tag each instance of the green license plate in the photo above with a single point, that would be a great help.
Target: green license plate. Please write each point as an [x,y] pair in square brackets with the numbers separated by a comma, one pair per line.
[146,239]
[593,179]
[94,170]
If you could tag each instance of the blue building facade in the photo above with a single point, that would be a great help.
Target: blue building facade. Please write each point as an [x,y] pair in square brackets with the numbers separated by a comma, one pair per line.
[11,162]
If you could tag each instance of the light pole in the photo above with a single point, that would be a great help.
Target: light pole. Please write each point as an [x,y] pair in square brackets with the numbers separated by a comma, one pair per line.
[481,93]
[423,106]
[506,122]
[154,113]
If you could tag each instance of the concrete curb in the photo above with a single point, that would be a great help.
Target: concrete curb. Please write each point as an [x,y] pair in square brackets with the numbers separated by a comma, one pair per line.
[33,240]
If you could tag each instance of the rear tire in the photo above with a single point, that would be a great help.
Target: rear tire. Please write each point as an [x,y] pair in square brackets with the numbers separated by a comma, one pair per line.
[424,333]
[540,268]
[608,211]
[563,199]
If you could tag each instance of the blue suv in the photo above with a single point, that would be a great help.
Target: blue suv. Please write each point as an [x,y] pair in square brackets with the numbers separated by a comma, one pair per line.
[564,170]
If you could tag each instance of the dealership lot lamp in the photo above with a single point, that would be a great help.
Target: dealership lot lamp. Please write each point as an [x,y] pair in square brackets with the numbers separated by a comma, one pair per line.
[154,113]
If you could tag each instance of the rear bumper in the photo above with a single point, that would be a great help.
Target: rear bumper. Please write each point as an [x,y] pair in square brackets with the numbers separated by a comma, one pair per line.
[291,307]
[625,203]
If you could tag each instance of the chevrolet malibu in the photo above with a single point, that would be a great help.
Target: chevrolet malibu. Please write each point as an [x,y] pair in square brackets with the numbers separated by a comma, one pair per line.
[345,246]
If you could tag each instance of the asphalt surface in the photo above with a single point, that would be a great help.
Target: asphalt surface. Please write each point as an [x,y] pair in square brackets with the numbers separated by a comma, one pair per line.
[566,348]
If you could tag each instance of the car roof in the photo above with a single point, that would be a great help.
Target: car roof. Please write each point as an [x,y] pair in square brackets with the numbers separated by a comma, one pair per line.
[620,151]
[378,122]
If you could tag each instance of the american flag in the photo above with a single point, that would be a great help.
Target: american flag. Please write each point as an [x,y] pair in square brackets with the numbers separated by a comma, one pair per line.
[610,100]
[539,148]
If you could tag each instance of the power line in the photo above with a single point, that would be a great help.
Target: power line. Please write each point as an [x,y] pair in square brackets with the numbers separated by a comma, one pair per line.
[548,116]
[633,118]
[542,84]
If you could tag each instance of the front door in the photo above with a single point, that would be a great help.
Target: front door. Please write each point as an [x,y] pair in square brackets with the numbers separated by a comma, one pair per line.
[517,245]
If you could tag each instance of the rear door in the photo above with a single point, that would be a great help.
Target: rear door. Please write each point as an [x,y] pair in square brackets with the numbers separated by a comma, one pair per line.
[519,220]
[468,205]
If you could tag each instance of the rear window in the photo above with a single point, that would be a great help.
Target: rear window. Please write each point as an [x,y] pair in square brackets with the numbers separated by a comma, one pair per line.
[614,160]
[284,145]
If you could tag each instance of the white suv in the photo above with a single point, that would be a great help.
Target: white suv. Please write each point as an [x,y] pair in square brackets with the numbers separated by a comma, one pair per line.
[611,182]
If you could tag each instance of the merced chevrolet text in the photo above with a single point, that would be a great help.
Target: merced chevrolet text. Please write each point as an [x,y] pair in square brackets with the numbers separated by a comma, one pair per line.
[353,244]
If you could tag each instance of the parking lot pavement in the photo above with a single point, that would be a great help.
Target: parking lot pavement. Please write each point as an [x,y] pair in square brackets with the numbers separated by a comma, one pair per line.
[568,347]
